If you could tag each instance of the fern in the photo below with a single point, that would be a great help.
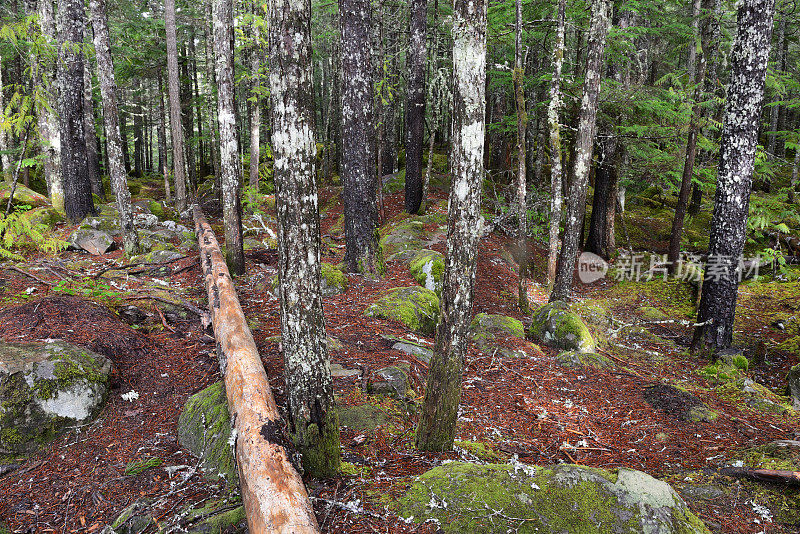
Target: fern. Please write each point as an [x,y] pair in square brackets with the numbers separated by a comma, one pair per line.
[18,232]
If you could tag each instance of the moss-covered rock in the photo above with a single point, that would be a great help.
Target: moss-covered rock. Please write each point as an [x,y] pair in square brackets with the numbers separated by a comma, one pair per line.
[415,307]
[45,215]
[393,183]
[22,196]
[553,324]
[204,428]
[216,517]
[593,360]
[393,381]
[470,498]
[95,242]
[488,327]
[134,519]
[108,223]
[427,268]
[332,280]
[45,387]
[750,394]
[402,239]
[651,313]
[364,417]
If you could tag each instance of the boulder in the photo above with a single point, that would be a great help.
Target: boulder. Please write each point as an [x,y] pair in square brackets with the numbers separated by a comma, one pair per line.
[332,281]
[45,215]
[364,417]
[573,358]
[106,223]
[45,387]
[204,428]
[793,379]
[553,324]
[411,347]
[403,239]
[486,498]
[487,327]
[22,196]
[748,393]
[427,268]
[95,242]
[393,381]
[415,307]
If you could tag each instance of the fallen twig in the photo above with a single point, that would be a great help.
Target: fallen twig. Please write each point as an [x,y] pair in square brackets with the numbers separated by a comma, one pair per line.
[29,275]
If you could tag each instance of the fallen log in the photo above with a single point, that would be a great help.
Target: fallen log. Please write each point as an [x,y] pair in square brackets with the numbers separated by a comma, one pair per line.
[275,499]
[764,475]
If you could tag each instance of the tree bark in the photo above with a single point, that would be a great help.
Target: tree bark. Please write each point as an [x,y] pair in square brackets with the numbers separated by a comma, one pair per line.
[108,92]
[312,420]
[358,145]
[749,57]
[229,144]
[437,423]
[255,108]
[598,30]
[5,159]
[173,87]
[522,181]
[187,115]
[212,79]
[274,497]
[162,140]
[554,126]
[138,131]
[48,118]
[415,103]
[774,112]
[78,200]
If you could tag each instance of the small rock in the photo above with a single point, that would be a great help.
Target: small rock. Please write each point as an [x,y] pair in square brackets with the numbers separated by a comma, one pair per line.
[393,381]
[583,359]
[554,325]
[95,242]
[339,371]
[132,314]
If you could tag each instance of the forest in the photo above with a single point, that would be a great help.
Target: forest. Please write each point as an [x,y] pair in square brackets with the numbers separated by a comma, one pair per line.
[400,266]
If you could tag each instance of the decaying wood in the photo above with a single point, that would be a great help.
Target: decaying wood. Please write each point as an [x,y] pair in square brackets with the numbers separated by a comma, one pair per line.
[764,475]
[274,497]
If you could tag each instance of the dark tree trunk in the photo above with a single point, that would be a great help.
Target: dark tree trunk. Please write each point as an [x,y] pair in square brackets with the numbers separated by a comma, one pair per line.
[173,87]
[108,93]
[187,114]
[212,79]
[123,130]
[138,132]
[312,420]
[522,181]
[576,199]
[415,103]
[437,423]
[749,57]
[358,139]
[93,158]
[229,144]
[606,179]
[201,163]
[78,200]
[389,154]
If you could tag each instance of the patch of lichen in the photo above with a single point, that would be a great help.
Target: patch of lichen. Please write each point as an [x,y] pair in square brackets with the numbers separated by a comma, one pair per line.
[80,367]
[415,307]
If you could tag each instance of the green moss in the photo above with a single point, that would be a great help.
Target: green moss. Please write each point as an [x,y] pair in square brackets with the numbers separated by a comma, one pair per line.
[204,428]
[415,307]
[672,298]
[553,324]
[479,449]
[464,497]
[349,469]
[427,268]
[333,280]
[157,209]
[583,359]
[320,449]
[754,396]
[138,466]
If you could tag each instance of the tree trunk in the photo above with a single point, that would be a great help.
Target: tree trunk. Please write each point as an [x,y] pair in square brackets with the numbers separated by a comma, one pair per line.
[312,420]
[212,79]
[389,157]
[5,159]
[274,497]
[774,112]
[108,93]
[415,103]
[358,134]
[437,423]
[694,130]
[554,126]
[229,144]
[78,200]
[48,118]
[162,140]
[176,125]
[187,114]
[598,30]
[434,112]
[138,131]
[522,182]
[795,172]
[749,57]
[606,179]
[255,108]
[201,164]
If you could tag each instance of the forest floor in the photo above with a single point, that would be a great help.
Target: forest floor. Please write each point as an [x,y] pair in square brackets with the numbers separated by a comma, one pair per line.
[527,406]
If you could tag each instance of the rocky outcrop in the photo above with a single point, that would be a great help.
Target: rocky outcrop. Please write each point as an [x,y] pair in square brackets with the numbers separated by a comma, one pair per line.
[471,498]
[45,387]
[95,242]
